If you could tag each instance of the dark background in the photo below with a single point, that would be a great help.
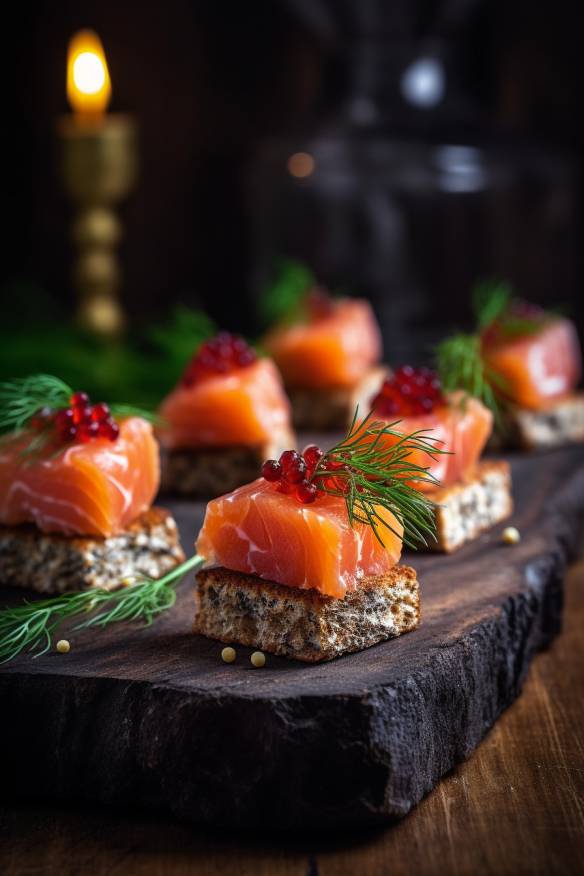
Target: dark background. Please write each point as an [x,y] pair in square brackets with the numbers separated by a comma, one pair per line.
[407,205]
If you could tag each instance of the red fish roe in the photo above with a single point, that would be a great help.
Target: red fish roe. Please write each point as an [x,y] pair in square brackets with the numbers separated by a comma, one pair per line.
[293,473]
[109,429]
[319,304]
[272,471]
[293,467]
[306,492]
[219,355]
[312,456]
[79,399]
[100,412]
[520,318]
[410,392]
[79,421]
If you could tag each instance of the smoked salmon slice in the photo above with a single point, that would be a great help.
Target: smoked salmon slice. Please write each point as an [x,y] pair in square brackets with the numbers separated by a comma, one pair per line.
[260,531]
[533,369]
[93,488]
[334,348]
[461,427]
[455,423]
[245,406]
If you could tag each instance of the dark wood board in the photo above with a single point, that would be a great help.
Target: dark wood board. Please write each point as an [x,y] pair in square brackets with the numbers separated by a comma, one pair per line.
[153,717]
[514,807]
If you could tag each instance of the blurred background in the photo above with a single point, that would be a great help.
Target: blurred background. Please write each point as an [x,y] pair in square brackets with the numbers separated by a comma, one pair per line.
[399,150]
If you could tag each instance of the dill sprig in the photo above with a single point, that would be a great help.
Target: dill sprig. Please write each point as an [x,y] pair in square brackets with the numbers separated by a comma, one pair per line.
[22,397]
[282,300]
[371,473]
[494,302]
[461,366]
[180,337]
[490,301]
[32,626]
[459,360]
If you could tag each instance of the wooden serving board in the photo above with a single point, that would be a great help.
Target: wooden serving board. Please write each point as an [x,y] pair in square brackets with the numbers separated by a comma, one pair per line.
[153,717]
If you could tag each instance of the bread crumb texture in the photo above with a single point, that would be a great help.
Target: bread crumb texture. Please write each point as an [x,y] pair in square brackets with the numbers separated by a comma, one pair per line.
[53,563]
[303,624]
[560,422]
[467,509]
[212,471]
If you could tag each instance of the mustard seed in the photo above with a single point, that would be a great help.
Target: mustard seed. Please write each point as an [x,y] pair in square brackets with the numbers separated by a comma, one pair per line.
[258,659]
[228,655]
[511,535]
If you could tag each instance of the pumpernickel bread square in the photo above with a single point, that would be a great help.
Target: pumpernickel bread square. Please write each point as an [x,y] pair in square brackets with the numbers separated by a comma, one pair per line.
[54,563]
[330,409]
[303,624]
[212,471]
[473,505]
[560,422]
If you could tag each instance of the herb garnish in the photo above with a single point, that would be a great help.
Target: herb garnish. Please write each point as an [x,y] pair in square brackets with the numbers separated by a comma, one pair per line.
[370,473]
[21,398]
[460,365]
[32,626]
[459,359]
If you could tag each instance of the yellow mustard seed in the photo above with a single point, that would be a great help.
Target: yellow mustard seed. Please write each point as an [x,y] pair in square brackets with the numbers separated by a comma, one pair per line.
[511,535]
[63,646]
[258,659]
[228,655]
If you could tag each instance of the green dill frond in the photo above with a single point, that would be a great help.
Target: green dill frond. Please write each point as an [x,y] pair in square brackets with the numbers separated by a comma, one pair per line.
[22,397]
[33,626]
[281,300]
[378,474]
[460,366]
[185,331]
[490,300]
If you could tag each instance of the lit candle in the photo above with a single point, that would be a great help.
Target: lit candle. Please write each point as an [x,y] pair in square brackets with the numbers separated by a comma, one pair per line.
[89,87]
[99,168]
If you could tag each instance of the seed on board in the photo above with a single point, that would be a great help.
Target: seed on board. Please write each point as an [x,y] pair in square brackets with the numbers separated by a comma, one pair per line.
[511,535]
[258,659]
[228,655]
[63,646]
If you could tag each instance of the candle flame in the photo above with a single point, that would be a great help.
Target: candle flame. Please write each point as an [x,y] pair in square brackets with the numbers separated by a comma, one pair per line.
[89,87]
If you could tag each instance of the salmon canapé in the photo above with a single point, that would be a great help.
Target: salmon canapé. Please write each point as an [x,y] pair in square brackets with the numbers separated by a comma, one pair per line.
[534,369]
[94,488]
[227,397]
[456,424]
[258,530]
[333,349]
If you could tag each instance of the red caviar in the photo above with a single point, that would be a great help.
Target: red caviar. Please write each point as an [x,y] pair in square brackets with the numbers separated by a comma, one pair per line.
[306,492]
[219,355]
[292,473]
[410,392]
[79,421]
[520,317]
[319,303]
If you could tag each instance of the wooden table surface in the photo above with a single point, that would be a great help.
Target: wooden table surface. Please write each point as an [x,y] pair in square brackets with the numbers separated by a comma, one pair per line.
[516,807]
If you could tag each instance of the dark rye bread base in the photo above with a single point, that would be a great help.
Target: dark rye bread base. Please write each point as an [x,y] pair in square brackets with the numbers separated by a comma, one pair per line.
[303,624]
[328,409]
[561,422]
[53,563]
[470,507]
[207,472]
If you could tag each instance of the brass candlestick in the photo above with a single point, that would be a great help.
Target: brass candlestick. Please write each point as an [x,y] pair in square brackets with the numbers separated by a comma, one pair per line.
[99,169]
